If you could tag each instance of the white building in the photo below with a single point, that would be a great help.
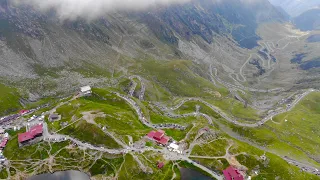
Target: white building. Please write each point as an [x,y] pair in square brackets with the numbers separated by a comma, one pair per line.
[6,135]
[86,91]
[174,147]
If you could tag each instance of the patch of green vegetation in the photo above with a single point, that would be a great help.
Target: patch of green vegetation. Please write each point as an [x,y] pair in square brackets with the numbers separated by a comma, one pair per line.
[228,105]
[177,171]
[3,174]
[12,171]
[90,133]
[105,167]
[55,147]
[214,164]
[89,70]
[131,169]
[151,159]
[48,100]
[193,133]
[149,144]
[44,71]
[35,151]
[124,85]
[161,119]
[179,78]
[293,134]
[76,158]
[190,107]
[177,134]
[9,100]
[272,168]
[154,92]
[138,87]
[119,116]
[214,148]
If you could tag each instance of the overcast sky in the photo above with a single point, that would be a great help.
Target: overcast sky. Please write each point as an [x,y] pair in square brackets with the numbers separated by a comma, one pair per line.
[70,9]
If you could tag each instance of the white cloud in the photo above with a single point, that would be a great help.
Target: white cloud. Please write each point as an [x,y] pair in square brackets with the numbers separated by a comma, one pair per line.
[90,9]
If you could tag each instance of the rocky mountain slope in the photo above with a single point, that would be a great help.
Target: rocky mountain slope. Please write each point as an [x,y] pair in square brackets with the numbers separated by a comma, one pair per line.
[43,56]
[40,50]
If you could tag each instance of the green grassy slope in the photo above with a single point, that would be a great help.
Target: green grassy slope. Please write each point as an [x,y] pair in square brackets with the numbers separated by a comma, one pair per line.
[292,134]
[9,100]
[180,78]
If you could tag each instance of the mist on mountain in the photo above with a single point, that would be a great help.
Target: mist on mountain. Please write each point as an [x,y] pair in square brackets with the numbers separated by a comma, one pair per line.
[91,9]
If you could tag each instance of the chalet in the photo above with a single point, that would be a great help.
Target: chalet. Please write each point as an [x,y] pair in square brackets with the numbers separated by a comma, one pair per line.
[232,174]
[159,137]
[85,91]
[33,133]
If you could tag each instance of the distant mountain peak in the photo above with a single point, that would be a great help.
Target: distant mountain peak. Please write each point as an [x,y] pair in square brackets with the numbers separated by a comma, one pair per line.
[296,7]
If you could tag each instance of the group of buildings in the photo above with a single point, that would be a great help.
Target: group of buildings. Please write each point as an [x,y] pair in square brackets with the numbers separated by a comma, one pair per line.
[160,137]
[231,173]
[8,119]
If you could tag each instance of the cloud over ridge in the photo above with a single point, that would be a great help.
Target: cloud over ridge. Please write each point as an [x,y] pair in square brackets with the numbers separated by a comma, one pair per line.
[90,9]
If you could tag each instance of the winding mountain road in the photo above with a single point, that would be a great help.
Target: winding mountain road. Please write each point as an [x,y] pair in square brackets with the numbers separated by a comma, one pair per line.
[134,86]
[232,120]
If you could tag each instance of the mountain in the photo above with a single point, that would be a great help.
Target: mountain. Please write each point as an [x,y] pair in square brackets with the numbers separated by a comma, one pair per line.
[296,7]
[230,82]
[38,45]
[286,16]
[204,18]
[309,20]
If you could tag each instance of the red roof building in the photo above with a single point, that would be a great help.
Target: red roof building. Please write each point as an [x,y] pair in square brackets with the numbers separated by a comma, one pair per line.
[151,134]
[31,134]
[23,112]
[23,137]
[36,130]
[159,137]
[232,174]
[164,140]
[160,165]
[3,143]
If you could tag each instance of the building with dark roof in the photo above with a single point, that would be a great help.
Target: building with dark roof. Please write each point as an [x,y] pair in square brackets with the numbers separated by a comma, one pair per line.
[232,174]
[53,117]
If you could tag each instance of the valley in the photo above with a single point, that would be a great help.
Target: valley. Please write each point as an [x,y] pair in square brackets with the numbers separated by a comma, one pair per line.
[224,90]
